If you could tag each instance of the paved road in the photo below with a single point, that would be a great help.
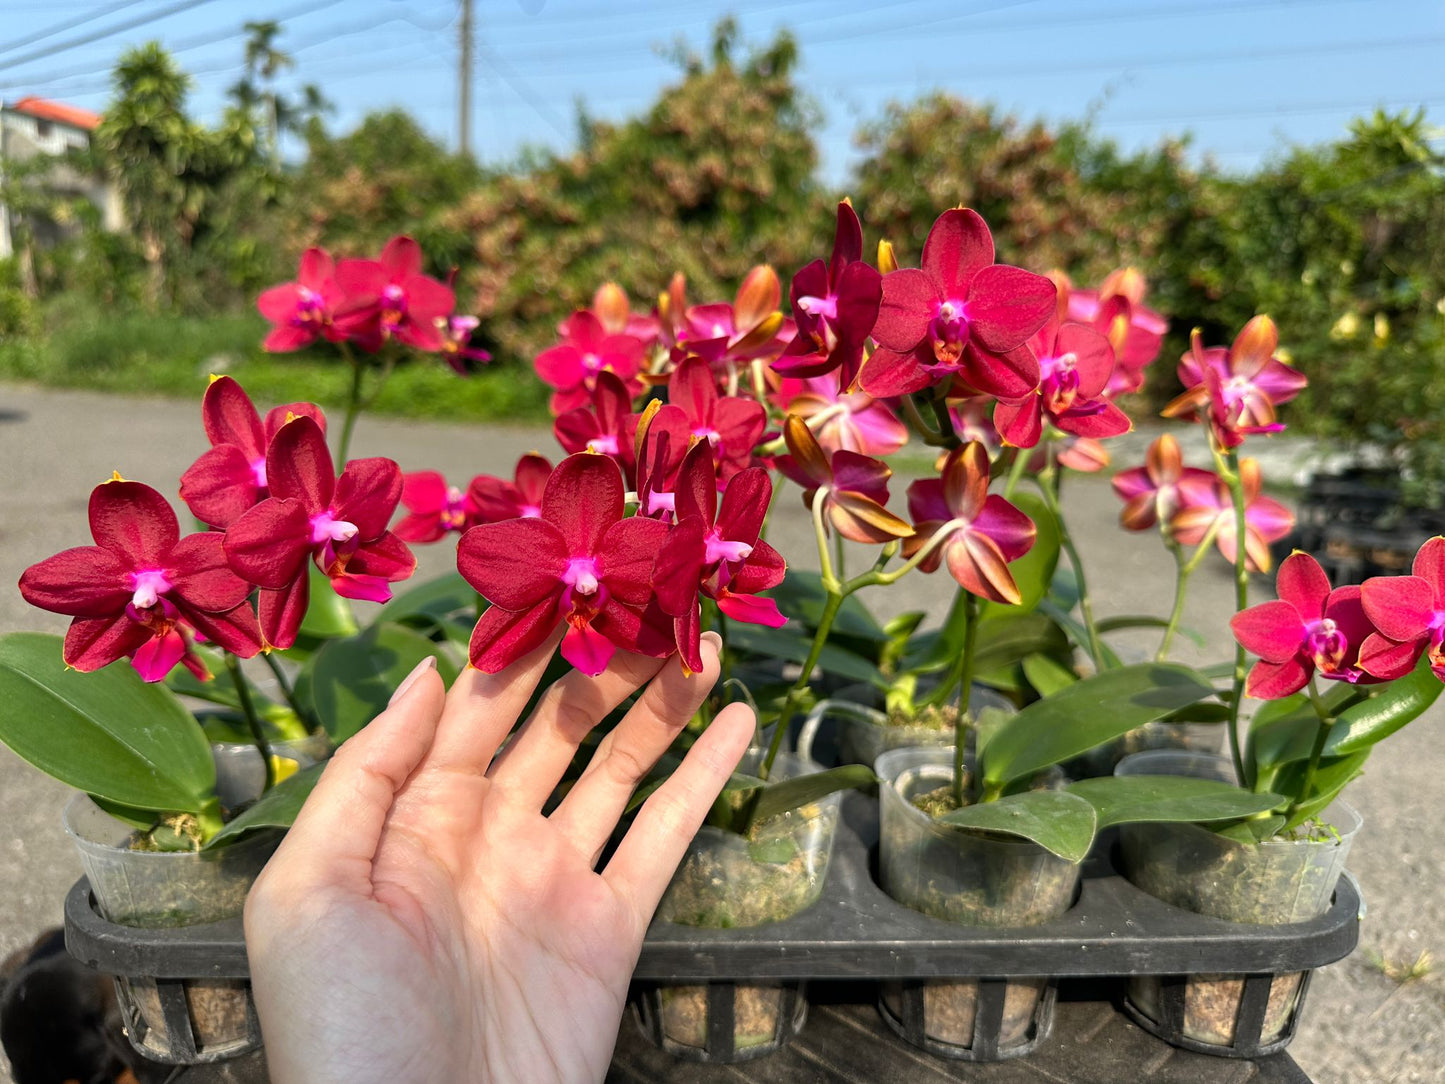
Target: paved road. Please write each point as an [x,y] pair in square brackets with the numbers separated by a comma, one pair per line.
[54,446]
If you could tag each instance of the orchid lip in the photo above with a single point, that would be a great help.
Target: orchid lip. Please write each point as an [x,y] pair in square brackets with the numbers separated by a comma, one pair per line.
[591,362]
[713,437]
[326,528]
[530,511]
[580,575]
[719,549]
[1326,645]
[258,472]
[657,501]
[148,586]
[822,307]
[950,322]
[603,445]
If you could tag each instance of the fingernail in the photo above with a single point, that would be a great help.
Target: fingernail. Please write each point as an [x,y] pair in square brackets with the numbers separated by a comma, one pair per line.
[714,639]
[428,663]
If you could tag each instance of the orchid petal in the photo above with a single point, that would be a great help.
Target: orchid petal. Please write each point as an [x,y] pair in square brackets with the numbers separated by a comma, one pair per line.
[86,581]
[366,494]
[976,562]
[1011,530]
[269,544]
[220,485]
[133,521]
[583,499]
[1303,584]
[1006,305]
[847,240]
[202,578]
[1274,631]
[93,642]
[1276,680]
[905,309]
[1253,347]
[958,247]
[299,466]
[230,417]
[235,630]
[888,372]
[1387,659]
[281,611]
[751,609]
[626,556]
[514,563]
[501,637]
[864,520]
[158,656]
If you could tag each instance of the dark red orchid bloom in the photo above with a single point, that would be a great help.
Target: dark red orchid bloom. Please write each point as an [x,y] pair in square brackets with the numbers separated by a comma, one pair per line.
[433,508]
[304,310]
[981,532]
[1310,629]
[573,366]
[390,298]
[580,563]
[749,329]
[843,421]
[141,586]
[663,438]
[856,486]
[1205,504]
[339,522]
[834,307]
[1408,613]
[1240,386]
[717,552]
[731,424]
[960,314]
[1151,492]
[1074,366]
[231,477]
[1117,310]
[606,426]
[493,499]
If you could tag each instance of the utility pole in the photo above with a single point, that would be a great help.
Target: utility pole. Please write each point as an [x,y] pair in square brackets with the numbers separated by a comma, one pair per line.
[464,82]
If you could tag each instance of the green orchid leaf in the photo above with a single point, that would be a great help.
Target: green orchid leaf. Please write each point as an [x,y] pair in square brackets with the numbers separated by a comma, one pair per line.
[437,601]
[1034,571]
[778,797]
[1056,820]
[1396,704]
[1206,711]
[801,598]
[1253,830]
[353,678]
[1131,799]
[792,647]
[1331,777]
[1047,675]
[1144,621]
[107,733]
[142,820]
[277,808]
[1004,640]
[328,615]
[1086,714]
[1078,634]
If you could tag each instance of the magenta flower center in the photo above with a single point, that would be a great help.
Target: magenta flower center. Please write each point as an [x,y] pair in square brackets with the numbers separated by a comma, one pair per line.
[454,512]
[1326,645]
[530,511]
[1060,383]
[580,576]
[148,586]
[591,362]
[824,308]
[308,307]
[657,501]
[393,304]
[606,444]
[720,549]
[327,528]
[950,325]
[712,436]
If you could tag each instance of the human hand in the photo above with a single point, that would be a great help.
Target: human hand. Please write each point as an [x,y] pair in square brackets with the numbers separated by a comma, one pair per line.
[423,921]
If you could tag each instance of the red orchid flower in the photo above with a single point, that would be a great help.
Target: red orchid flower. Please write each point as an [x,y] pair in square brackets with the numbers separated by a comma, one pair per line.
[1074,366]
[580,563]
[390,298]
[231,477]
[731,424]
[717,552]
[663,438]
[606,426]
[137,589]
[856,486]
[456,342]
[1117,310]
[834,307]
[492,499]
[304,310]
[748,329]
[339,522]
[433,508]
[981,532]
[573,366]
[1205,503]
[1240,386]
[1309,629]
[1151,492]
[843,421]
[614,311]
[961,313]
[1409,614]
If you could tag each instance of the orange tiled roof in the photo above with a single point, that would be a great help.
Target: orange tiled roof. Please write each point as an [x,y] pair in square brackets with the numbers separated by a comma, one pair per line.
[58,111]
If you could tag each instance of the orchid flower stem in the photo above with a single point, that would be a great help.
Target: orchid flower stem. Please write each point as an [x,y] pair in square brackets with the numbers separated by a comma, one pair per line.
[1241,602]
[947,436]
[820,531]
[248,709]
[960,725]
[1182,570]
[1066,540]
[353,405]
[785,714]
[286,690]
[1321,736]
[926,431]
[839,557]
[1016,472]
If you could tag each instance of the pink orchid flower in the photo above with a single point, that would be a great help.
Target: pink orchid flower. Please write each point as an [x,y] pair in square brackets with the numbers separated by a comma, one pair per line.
[605,426]
[972,418]
[231,477]
[614,311]
[731,424]
[1408,613]
[717,552]
[856,486]
[580,564]
[750,328]
[960,314]
[573,366]
[663,438]
[390,298]
[456,342]
[1074,366]
[338,522]
[433,508]
[1205,503]
[1151,492]
[843,421]
[1117,310]
[304,310]
[982,532]
[493,499]
[1083,454]
[1240,386]
[834,307]
[138,589]
[1310,629]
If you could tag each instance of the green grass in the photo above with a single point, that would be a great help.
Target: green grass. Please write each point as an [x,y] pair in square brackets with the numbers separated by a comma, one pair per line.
[165,354]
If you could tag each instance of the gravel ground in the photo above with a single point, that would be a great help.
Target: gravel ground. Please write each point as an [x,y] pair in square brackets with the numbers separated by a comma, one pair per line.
[1362,1025]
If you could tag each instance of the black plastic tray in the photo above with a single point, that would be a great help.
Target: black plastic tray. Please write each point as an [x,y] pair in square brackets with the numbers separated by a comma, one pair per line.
[854,931]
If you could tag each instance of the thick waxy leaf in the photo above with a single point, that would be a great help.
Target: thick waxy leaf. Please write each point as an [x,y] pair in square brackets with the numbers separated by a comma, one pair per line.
[1375,719]
[1143,621]
[1003,640]
[431,601]
[1254,830]
[1124,799]
[1210,711]
[328,615]
[1034,571]
[352,679]
[1048,676]
[786,794]
[1088,713]
[801,597]
[277,808]
[1333,775]
[1078,634]
[1283,731]
[108,733]
[785,644]
[1054,819]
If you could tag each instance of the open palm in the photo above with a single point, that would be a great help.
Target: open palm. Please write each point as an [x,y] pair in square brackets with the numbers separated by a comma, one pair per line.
[424,921]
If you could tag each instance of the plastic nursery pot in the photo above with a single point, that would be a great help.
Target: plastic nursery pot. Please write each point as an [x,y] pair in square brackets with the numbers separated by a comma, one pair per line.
[973,879]
[1173,737]
[202,1019]
[1276,882]
[241,773]
[725,881]
[864,731]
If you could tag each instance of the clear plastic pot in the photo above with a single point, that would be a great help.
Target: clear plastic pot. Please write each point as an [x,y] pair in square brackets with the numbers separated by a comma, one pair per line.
[1174,737]
[1275,882]
[864,732]
[971,878]
[241,773]
[725,881]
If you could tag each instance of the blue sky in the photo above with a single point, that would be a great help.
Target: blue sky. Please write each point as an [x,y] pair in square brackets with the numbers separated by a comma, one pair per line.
[1246,77]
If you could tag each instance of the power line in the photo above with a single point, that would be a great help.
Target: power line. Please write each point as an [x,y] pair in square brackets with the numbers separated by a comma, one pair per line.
[523,89]
[69,24]
[100,35]
[1269,111]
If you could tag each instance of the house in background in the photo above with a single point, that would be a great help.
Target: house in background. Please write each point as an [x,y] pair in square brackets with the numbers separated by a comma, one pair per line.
[33,128]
